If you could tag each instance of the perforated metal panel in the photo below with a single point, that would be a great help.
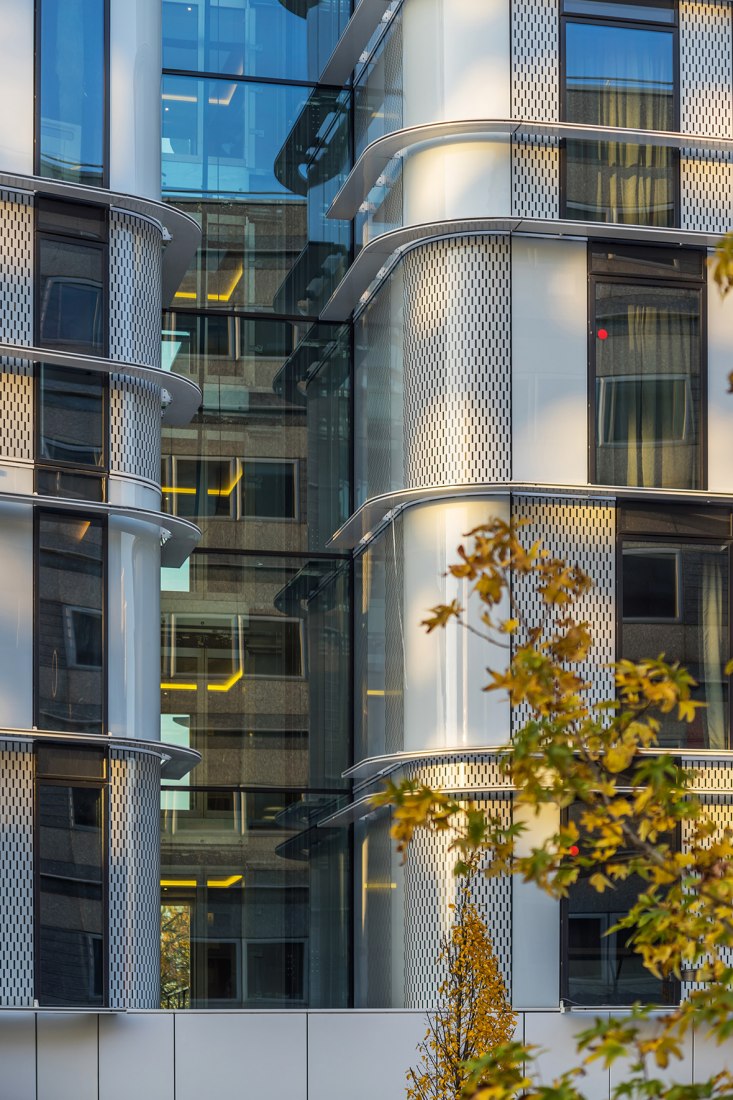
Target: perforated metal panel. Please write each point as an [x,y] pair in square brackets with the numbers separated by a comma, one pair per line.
[457,362]
[535,60]
[16,269]
[430,888]
[535,177]
[583,534]
[16,875]
[706,191]
[135,256]
[16,409]
[706,64]
[134,427]
[134,881]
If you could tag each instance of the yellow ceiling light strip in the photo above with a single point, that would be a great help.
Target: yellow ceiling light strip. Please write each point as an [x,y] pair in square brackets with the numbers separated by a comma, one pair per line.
[179,687]
[178,882]
[229,490]
[233,679]
[232,287]
[224,883]
[178,490]
[191,294]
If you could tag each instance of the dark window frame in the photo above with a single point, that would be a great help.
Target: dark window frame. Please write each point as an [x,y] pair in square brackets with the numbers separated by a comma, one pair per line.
[61,779]
[672,28]
[96,474]
[666,541]
[674,984]
[38,514]
[684,283]
[100,245]
[38,46]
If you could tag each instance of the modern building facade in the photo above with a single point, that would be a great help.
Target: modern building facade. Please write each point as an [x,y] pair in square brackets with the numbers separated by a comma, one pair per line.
[424,264]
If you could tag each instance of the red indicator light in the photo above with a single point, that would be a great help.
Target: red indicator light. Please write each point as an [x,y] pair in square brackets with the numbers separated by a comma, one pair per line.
[574,850]
[602,334]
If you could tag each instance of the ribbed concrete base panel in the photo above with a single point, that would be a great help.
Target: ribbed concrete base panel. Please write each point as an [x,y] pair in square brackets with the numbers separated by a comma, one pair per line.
[191,1055]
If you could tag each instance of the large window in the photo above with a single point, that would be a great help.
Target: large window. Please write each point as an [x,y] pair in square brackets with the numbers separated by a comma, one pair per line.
[71,452]
[619,71]
[71,141]
[599,966]
[675,599]
[70,623]
[72,277]
[70,877]
[647,364]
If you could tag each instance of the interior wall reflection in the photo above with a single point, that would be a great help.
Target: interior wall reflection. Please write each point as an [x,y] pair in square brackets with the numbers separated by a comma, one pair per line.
[620,70]
[71,90]
[70,647]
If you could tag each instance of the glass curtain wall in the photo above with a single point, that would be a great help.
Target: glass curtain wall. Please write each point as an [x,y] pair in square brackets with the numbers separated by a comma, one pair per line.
[620,71]
[256,628]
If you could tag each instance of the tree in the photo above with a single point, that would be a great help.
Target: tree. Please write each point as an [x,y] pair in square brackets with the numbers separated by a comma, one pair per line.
[473,1014]
[573,752]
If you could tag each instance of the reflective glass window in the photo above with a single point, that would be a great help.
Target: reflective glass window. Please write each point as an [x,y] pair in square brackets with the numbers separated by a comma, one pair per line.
[647,359]
[288,41]
[600,966]
[675,601]
[620,75]
[71,417]
[70,645]
[266,464]
[72,90]
[70,891]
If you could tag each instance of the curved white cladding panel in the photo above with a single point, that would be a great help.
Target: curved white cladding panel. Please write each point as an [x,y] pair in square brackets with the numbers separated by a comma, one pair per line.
[16,617]
[134,876]
[134,623]
[16,410]
[456,60]
[16,268]
[135,250]
[135,59]
[584,533]
[549,362]
[457,362]
[444,671]
[17,78]
[720,402]
[535,922]
[706,62]
[535,47]
[459,179]
[134,427]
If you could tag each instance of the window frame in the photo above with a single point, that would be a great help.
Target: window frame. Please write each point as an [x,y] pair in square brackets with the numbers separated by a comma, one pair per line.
[101,521]
[673,541]
[94,473]
[565,1000]
[67,779]
[37,96]
[672,28]
[682,282]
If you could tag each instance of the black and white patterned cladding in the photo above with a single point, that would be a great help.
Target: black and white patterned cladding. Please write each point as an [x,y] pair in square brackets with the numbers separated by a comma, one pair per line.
[457,362]
[134,881]
[134,428]
[583,534]
[535,178]
[430,882]
[706,63]
[16,875]
[135,259]
[535,60]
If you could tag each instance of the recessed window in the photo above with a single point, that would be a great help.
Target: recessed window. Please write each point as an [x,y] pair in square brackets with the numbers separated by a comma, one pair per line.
[646,356]
[217,651]
[674,600]
[231,488]
[619,71]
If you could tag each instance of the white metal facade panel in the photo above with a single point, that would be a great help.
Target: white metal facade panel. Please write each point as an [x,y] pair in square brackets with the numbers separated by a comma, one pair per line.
[134,427]
[457,362]
[134,894]
[16,875]
[135,266]
[583,534]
